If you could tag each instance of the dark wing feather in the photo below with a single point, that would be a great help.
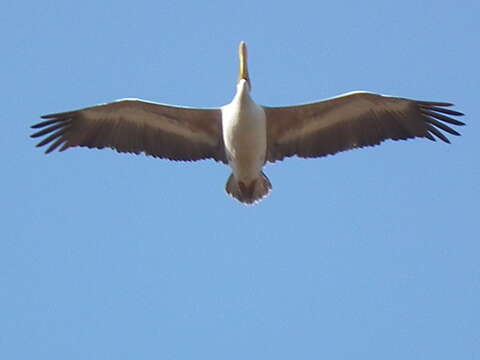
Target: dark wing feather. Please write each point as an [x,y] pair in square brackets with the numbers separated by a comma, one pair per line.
[135,126]
[353,121]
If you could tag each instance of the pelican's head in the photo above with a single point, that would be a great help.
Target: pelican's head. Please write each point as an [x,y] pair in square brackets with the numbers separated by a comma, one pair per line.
[243,74]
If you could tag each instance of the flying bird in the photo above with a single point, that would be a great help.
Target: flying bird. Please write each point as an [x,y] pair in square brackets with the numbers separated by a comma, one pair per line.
[245,135]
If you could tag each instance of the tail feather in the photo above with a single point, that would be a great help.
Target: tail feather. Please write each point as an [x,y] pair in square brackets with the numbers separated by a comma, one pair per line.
[248,193]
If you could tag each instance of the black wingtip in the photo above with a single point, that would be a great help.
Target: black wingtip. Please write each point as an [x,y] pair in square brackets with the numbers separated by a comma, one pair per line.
[437,133]
[59,116]
[49,116]
[45,123]
[434,103]
[433,112]
[443,110]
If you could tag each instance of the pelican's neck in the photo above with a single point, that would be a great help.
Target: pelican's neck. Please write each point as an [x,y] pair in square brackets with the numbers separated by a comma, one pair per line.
[243,90]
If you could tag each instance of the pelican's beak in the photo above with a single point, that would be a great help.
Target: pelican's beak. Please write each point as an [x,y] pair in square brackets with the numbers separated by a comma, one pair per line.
[242,52]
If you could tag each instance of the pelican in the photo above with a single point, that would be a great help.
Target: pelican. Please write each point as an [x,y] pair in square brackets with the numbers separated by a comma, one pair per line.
[245,135]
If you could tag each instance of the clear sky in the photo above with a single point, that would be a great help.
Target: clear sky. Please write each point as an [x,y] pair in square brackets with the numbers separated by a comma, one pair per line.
[369,254]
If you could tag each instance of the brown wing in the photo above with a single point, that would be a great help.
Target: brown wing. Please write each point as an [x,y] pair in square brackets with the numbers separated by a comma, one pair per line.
[353,121]
[135,126]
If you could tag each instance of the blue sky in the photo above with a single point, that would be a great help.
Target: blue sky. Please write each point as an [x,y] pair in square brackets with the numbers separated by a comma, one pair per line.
[369,254]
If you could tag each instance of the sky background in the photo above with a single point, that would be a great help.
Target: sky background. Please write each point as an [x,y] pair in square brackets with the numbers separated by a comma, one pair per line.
[369,254]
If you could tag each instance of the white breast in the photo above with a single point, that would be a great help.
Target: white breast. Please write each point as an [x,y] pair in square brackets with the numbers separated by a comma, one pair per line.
[244,135]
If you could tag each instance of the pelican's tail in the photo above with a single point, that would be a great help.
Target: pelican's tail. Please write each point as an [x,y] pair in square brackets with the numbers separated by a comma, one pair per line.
[248,193]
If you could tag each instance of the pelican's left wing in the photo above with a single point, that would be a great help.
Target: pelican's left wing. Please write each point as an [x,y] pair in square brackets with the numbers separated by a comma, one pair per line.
[352,121]
[136,126]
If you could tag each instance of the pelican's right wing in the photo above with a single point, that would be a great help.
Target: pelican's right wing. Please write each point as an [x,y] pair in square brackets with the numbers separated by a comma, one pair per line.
[353,121]
[136,126]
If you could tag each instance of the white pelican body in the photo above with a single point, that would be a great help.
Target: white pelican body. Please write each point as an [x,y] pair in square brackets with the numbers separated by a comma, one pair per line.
[245,135]
[245,138]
